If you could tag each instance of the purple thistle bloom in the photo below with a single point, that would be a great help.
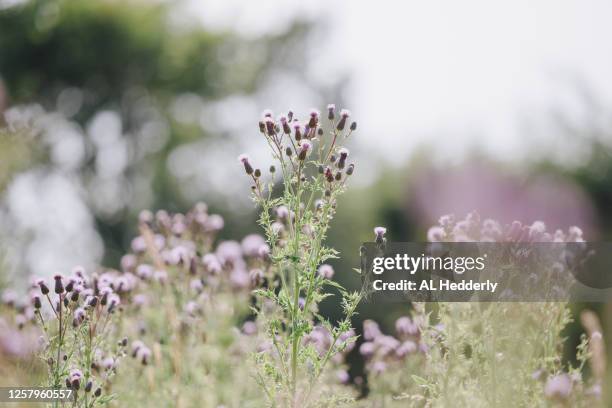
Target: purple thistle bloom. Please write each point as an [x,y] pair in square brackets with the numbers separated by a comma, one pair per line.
[370,330]
[380,234]
[249,328]
[558,387]
[331,111]
[251,244]
[326,271]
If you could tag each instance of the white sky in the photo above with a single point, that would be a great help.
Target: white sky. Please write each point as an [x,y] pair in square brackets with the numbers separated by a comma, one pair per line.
[453,73]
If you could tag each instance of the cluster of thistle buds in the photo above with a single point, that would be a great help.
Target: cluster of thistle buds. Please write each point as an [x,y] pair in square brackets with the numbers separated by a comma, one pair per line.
[384,351]
[70,302]
[293,142]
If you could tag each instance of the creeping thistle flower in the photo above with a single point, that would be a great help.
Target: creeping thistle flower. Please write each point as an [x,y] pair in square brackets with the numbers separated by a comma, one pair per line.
[326,271]
[380,232]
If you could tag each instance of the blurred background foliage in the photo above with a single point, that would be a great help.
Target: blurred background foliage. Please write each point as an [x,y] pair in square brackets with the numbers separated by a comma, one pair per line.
[116,105]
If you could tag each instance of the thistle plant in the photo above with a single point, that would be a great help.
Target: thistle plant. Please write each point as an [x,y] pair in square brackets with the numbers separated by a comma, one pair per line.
[79,343]
[490,354]
[314,169]
[185,313]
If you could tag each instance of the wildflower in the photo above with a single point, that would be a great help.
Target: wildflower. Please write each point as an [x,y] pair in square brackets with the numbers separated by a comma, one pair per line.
[44,289]
[344,115]
[211,263]
[144,355]
[435,234]
[191,308]
[79,316]
[380,234]
[144,271]
[139,244]
[297,127]
[342,160]
[251,244]
[407,347]
[229,252]
[379,367]
[370,330]
[239,279]
[331,111]
[70,285]
[270,126]
[244,159]
[558,387]
[214,223]
[113,301]
[249,328]
[75,378]
[285,124]
[404,326]
[108,363]
[343,376]
[282,213]
[305,148]
[314,118]
[326,271]
[36,302]
[160,276]
[196,285]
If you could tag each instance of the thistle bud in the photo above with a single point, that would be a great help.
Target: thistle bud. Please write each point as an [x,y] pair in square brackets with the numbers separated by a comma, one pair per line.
[270,126]
[257,173]
[98,392]
[305,148]
[320,131]
[298,130]
[75,379]
[353,126]
[321,169]
[36,302]
[290,115]
[344,115]
[262,126]
[327,193]
[59,285]
[92,301]
[272,169]
[88,386]
[70,285]
[285,124]
[343,155]
[74,296]
[44,289]
[244,159]
[338,176]
[333,158]
[314,119]
[350,169]
[331,111]
[328,175]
